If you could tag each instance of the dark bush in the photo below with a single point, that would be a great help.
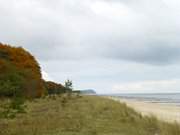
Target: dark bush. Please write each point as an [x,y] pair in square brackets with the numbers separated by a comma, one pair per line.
[54,88]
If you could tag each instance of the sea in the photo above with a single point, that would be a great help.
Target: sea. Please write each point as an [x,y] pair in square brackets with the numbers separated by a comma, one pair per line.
[162,98]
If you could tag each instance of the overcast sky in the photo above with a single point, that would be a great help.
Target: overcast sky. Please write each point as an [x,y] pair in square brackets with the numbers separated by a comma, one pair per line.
[112,46]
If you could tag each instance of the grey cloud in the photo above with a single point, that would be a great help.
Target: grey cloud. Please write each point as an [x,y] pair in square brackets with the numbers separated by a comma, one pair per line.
[149,55]
[70,29]
[94,43]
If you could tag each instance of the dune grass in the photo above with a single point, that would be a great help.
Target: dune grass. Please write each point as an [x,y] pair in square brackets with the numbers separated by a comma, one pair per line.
[86,115]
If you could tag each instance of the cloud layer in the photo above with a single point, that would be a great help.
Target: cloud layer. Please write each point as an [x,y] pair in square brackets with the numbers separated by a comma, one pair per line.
[66,34]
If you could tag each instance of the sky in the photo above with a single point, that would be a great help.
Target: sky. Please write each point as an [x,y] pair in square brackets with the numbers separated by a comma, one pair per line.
[111,46]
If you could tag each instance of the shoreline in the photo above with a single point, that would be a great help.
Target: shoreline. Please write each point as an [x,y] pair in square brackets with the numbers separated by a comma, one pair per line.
[165,112]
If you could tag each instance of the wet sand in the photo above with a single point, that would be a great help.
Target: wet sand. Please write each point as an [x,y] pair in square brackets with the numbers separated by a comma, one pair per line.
[166,112]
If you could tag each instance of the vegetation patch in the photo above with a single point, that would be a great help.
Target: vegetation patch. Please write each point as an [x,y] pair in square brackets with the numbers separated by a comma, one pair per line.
[85,115]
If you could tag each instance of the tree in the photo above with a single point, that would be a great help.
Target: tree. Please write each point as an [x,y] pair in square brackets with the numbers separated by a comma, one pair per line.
[69,84]
[23,61]
[11,80]
[12,86]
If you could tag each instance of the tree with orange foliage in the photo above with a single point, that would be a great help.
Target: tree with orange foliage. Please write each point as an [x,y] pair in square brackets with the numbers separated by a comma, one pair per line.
[23,62]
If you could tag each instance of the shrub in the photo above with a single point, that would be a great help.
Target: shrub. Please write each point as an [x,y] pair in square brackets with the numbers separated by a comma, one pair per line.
[54,88]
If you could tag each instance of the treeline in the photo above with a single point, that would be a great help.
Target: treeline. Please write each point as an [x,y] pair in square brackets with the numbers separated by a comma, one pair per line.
[55,88]
[20,75]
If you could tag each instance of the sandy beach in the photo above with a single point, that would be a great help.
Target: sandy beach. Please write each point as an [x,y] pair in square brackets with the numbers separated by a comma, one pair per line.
[165,112]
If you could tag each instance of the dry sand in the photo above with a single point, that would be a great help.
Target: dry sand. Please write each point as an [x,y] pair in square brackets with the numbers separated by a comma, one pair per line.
[165,112]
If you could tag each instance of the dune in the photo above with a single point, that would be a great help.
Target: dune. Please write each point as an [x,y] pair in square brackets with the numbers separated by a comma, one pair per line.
[166,112]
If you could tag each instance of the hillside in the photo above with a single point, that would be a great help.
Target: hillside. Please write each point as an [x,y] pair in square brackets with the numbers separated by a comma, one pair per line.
[86,115]
[88,92]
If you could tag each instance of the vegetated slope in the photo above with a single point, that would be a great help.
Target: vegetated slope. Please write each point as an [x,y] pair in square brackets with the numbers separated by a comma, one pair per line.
[19,70]
[87,115]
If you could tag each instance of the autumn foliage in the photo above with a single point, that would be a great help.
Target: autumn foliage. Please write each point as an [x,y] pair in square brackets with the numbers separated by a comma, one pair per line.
[19,70]
[55,88]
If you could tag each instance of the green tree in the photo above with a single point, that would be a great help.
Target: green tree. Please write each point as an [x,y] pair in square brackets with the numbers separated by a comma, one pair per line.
[11,81]
[69,84]
[12,86]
